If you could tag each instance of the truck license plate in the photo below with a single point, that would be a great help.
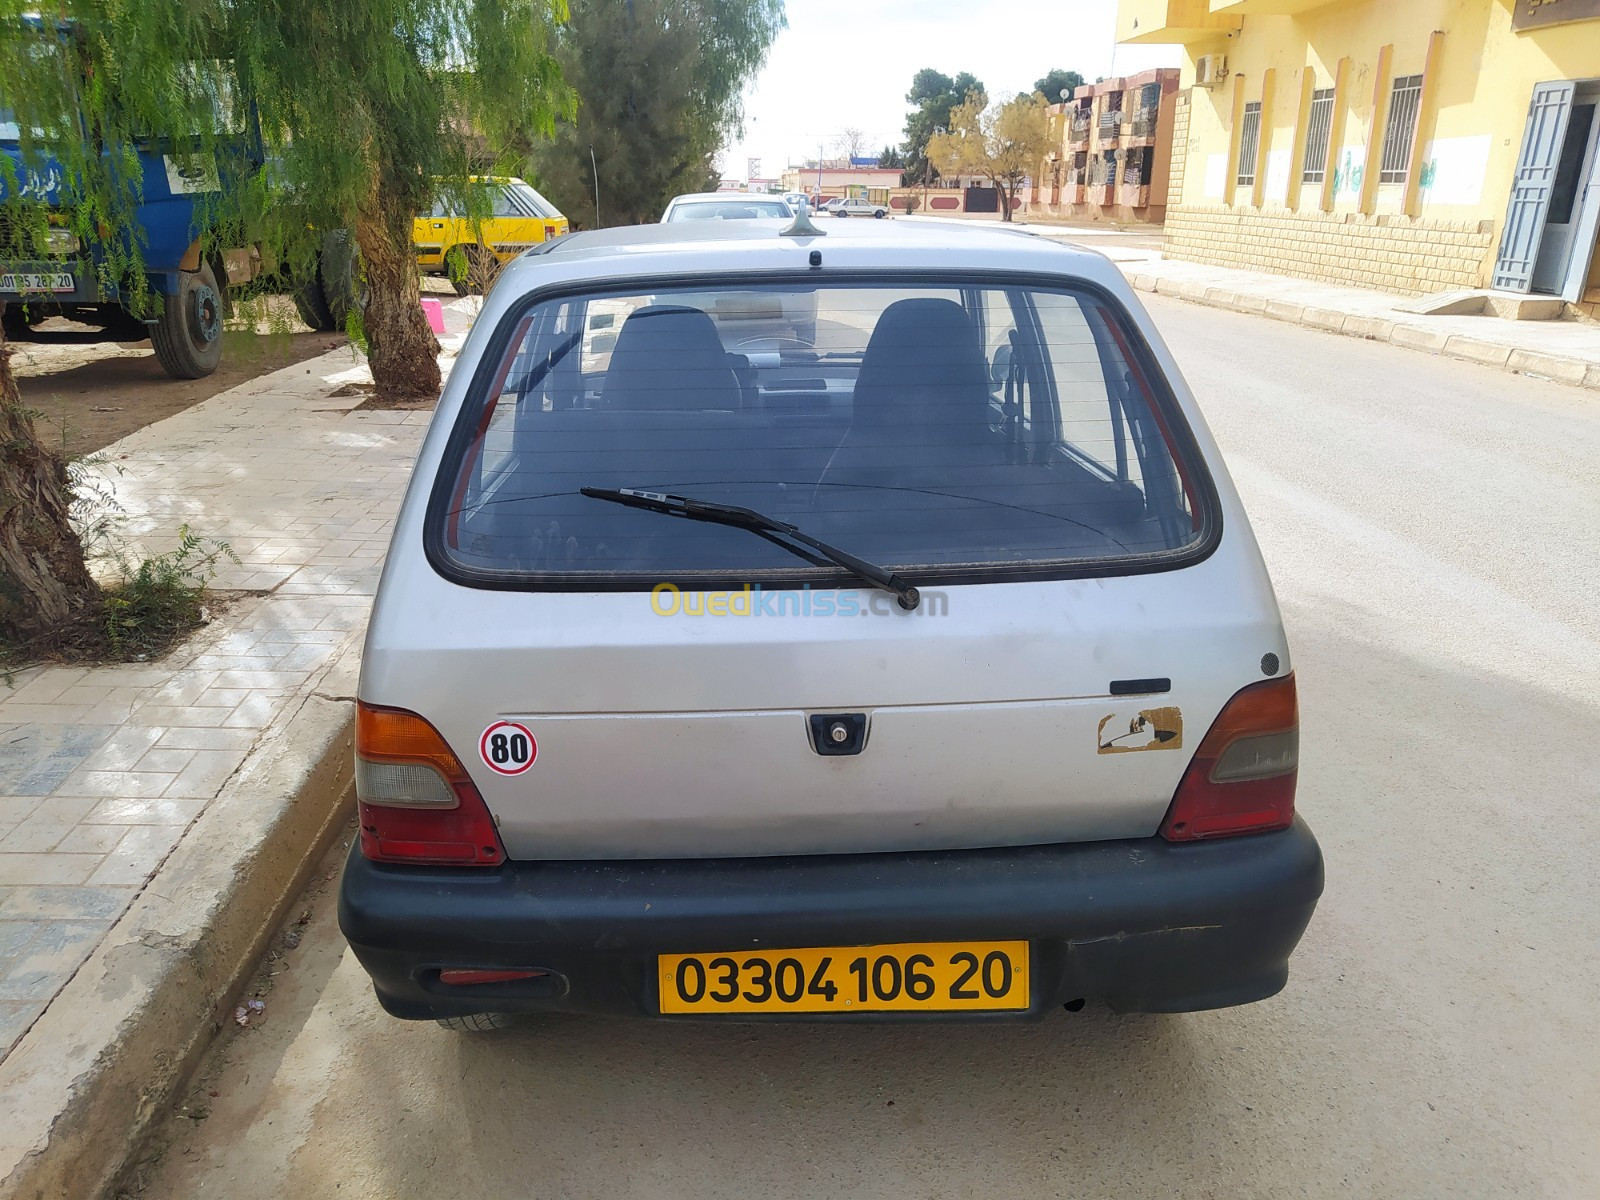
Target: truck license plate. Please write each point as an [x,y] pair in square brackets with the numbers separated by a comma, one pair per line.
[38,281]
[908,977]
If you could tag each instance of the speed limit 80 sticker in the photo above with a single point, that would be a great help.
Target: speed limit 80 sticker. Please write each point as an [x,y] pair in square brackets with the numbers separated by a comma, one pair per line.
[508,748]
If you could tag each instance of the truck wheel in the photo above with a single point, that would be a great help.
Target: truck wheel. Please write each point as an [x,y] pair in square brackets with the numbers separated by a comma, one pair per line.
[311,302]
[478,1022]
[188,337]
[342,276]
[15,323]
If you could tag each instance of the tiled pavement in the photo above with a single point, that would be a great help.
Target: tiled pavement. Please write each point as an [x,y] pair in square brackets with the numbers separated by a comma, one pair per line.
[1567,351]
[102,769]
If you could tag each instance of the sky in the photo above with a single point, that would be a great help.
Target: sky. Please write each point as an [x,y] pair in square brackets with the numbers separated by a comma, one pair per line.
[850,65]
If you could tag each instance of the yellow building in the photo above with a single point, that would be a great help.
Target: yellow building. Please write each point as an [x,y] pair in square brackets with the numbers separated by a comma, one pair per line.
[1411,145]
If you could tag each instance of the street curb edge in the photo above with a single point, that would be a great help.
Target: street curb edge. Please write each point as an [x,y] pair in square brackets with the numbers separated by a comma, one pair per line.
[97,1072]
[1574,372]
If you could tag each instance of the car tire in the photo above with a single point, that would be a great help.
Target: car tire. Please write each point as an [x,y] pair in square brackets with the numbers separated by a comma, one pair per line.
[478,1022]
[457,269]
[877,214]
[841,214]
[188,336]
[473,269]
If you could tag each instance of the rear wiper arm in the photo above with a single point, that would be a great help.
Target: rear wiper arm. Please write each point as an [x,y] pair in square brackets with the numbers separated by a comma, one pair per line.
[749,518]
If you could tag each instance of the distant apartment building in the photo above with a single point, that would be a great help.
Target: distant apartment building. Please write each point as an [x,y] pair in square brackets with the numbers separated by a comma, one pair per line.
[1115,140]
[1415,146]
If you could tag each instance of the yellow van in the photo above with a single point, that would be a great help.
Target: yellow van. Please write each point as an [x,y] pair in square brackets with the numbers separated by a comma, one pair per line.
[469,253]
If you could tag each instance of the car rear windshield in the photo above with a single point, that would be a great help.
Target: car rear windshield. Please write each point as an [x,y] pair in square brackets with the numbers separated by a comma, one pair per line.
[948,431]
[534,201]
[729,210]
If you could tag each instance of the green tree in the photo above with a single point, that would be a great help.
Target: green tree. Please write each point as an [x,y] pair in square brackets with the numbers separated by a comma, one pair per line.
[119,74]
[1002,142]
[372,106]
[932,97]
[661,85]
[1056,82]
[367,107]
[890,156]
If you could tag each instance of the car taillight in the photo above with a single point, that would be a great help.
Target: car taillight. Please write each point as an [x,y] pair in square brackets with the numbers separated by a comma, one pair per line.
[1242,777]
[416,803]
[471,978]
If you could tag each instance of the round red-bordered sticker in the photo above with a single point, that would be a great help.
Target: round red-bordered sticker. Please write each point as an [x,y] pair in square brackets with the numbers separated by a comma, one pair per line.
[508,748]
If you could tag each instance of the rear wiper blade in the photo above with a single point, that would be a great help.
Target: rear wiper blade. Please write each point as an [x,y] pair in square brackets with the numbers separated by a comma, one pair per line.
[749,518]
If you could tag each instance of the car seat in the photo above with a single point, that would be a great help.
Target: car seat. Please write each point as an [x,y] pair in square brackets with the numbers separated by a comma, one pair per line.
[669,357]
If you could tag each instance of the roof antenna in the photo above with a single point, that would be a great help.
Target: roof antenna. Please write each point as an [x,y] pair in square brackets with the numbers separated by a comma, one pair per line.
[802,226]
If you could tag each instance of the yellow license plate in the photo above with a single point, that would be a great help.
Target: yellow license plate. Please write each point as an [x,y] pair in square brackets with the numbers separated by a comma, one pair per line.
[908,977]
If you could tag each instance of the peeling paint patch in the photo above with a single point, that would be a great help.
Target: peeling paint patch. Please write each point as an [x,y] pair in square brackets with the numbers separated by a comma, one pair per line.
[1150,729]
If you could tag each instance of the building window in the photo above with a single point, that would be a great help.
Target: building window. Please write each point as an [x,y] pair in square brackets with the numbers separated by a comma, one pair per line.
[1404,106]
[1249,143]
[1319,129]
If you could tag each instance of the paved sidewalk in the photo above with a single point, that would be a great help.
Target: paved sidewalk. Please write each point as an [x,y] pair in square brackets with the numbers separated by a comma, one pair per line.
[1565,351]
[103,769]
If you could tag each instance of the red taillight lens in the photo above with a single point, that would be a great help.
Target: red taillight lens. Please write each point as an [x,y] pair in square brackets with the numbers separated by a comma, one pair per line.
[467,978]
[416,803]
[1242,778]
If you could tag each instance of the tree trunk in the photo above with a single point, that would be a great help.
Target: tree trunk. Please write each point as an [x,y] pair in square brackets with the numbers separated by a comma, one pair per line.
[401,348]
[44,583]
[1005,199]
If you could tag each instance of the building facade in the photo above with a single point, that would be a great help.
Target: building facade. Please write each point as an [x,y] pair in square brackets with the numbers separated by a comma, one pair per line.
[1414,146]
[1115,149]
[840,181]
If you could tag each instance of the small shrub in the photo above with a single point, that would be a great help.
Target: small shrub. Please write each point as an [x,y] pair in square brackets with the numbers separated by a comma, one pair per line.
[157,600]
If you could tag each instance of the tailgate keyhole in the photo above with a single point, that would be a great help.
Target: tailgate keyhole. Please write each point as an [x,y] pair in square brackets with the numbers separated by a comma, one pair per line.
[838,733]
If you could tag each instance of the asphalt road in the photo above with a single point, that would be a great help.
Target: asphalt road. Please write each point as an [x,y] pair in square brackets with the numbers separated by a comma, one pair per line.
[1432,529]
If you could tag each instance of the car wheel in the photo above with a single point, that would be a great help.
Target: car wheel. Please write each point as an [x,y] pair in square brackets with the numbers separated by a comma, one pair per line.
[478,1022]
[841,214]
[877,214]
[471,269]
[457,269]
[188,336]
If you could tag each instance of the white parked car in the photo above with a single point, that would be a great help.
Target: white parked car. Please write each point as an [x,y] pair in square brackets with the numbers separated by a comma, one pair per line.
[925,667]
[726,206]
[854,206]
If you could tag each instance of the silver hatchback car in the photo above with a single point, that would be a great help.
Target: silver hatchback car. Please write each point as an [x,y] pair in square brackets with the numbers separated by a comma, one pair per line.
[857,626]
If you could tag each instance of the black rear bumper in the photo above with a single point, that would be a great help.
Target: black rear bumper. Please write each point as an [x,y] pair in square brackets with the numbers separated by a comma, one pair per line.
[1143,925]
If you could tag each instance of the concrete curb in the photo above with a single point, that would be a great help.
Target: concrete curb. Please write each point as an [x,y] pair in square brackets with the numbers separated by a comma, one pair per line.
[1579,372]
[98,1070]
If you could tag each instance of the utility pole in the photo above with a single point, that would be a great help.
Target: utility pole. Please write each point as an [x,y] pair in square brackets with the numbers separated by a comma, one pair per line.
[594,171]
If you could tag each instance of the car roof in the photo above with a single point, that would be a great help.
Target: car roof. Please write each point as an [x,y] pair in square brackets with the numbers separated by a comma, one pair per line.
[715,247]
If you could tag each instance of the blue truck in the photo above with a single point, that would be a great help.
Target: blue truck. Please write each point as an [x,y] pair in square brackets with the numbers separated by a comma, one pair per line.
[188,267]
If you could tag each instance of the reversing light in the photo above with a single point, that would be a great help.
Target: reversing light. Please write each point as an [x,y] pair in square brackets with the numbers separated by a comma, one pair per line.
[417,804]
[1242,778]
